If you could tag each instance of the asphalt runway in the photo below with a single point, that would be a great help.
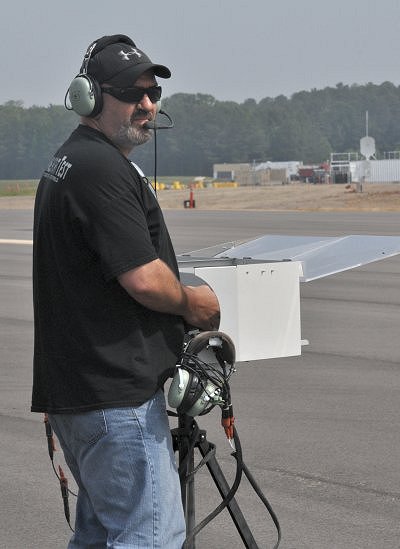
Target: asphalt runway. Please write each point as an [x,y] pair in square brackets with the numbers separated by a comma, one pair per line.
[320,432]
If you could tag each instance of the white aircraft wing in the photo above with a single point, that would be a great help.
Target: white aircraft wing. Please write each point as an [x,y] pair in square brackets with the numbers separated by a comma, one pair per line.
[257,283]
[320,256]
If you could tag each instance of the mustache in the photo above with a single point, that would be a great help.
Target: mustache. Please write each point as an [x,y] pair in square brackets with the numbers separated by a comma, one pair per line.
[142,113]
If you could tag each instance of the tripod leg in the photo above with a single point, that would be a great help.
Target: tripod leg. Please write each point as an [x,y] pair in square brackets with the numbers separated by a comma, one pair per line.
[188,498]
[183,443]
[223,488]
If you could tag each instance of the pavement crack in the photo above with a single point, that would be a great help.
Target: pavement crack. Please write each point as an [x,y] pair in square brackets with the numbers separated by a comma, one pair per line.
[332,482]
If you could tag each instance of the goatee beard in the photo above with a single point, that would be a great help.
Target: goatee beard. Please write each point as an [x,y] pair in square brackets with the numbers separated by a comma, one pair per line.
[131,136]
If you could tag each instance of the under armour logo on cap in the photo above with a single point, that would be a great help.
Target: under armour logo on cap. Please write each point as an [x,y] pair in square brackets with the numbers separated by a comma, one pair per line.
[126,54]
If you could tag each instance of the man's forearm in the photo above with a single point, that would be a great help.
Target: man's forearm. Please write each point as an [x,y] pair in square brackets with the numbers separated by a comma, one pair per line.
[156,287]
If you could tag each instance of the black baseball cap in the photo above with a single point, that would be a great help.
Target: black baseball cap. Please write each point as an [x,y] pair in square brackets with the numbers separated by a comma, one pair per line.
[118,61]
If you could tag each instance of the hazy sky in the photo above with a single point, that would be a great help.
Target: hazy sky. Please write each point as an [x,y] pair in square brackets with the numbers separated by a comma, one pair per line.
[231,49]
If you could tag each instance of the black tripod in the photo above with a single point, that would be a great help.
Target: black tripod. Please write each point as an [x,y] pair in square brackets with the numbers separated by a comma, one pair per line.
[186,437]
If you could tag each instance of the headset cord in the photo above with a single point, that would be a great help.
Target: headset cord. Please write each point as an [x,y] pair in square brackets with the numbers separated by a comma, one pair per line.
[155,161]
[266,503]
[64,494]
[241,467]
[62,479]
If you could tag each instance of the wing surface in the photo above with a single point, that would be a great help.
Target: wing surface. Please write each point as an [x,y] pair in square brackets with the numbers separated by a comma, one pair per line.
[320,256]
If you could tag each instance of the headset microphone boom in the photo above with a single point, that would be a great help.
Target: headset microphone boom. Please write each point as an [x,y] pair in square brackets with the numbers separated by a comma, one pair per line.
[155,126]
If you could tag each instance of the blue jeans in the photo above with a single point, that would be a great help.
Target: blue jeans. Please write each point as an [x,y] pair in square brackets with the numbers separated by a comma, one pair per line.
[123,462]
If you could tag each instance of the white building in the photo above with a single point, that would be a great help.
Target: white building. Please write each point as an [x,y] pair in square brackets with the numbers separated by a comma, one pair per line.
[376,171]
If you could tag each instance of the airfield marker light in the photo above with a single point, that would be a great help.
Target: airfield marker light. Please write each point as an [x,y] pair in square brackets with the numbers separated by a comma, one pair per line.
[191,200]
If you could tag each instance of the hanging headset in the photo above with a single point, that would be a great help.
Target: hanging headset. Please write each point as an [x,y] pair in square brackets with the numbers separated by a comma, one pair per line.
[84,93]
[201,380]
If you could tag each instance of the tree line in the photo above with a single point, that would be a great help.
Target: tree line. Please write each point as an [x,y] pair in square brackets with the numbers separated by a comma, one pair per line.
[306,127]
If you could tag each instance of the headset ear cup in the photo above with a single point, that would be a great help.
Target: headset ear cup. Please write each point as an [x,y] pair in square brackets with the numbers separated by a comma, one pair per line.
[85,96]
[178,387]
[186,392]
[192,393]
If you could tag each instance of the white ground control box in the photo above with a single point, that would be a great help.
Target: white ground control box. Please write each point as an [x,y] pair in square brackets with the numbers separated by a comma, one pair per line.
[260,305]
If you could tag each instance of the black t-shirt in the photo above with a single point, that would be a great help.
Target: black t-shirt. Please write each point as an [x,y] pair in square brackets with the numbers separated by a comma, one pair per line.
[95,346]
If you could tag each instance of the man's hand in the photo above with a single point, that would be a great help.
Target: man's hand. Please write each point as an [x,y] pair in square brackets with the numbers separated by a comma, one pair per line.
[204,312]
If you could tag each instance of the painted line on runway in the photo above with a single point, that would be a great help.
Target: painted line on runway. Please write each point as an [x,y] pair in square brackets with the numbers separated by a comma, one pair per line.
[10,241]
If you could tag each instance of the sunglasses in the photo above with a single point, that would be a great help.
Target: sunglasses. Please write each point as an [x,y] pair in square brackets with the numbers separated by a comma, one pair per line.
[134,95]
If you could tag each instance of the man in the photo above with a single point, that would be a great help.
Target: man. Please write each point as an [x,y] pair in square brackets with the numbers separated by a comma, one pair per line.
[110,310]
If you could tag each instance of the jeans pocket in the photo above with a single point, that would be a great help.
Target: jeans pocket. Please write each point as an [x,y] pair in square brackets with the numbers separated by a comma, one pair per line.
[89,427]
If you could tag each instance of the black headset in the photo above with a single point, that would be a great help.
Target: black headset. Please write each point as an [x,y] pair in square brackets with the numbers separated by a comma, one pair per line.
[84,93]
[200,380]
